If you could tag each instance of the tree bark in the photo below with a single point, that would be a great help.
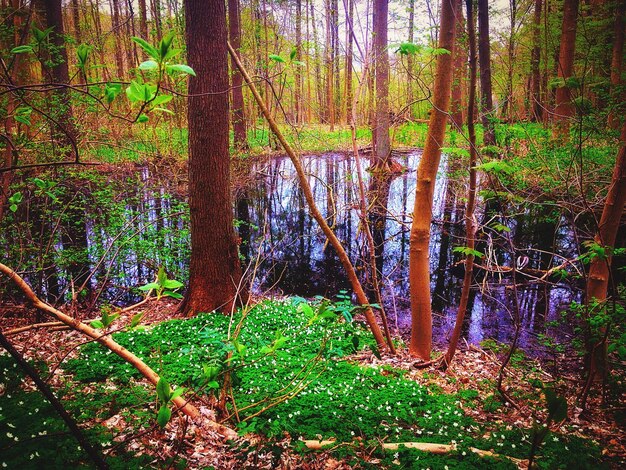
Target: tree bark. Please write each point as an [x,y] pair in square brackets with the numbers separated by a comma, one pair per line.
[599,269]
[382,145]
[143,20]
[618,98]
[214,270]
[564,110]
[484,58]
[297,73]
[237,112]
[419,268]
[470,219]
[535,59]
[76,20]
[460,71]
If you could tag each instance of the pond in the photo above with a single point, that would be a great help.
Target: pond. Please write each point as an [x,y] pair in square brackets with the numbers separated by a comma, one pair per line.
[112,234]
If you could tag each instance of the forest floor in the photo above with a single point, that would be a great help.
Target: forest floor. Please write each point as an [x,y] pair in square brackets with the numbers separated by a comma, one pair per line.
[118,408]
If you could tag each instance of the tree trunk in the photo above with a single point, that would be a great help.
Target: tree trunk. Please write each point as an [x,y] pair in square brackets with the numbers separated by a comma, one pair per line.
[419,267]
[618,98]
[507,107]
[318,72]
[460,71]
[65,132]
[116,25]
[599,270]
[237,117]
[143,20]
[382,147]
[409,59]
[76,20]
[564,109]
[535,59]
[330,66]
[297,73]
[470,220]
[214,271]
[484,58]
[347,96]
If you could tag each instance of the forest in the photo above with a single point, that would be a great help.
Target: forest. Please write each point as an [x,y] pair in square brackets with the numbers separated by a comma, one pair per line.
[312,234]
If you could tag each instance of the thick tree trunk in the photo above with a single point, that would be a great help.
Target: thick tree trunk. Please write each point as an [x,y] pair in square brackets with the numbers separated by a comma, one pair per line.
[564,110]
[214,271]
[460,71]
[116,25]
[484,58]
[330,65]
[76,20]
[535,59]
[618,98]
[470,220]
[237,117]
[382,147]
[419,267]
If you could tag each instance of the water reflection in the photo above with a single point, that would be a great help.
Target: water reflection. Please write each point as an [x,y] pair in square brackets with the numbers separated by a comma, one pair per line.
[146,227]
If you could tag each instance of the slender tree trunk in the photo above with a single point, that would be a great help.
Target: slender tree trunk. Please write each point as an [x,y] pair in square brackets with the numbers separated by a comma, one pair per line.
[460,71]
[484,58]
[347,95]
[409,59]
[76,20]
[382,147]
[507,107]
[318,72]
[617,59]
[156,18]
[237,111]
[214,271]
[535,60]
[470,219]
[419,266]
[330,66]
[65,133]
[143,20]
[316,214]
[115,18]
[297,74]
[564,110]
[600,269]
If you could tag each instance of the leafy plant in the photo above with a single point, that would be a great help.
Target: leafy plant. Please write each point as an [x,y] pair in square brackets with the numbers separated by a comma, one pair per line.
[163,286]
[165,395]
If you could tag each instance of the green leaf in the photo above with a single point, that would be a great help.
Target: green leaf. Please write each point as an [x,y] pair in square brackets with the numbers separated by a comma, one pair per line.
[22,49]
[182,68]
[496,166]
[111,90]
[164,110]
[82,52]
[307,310]
[161,99]
[178,392]
[151,285]
[408,48]
[164,416]
[292,54]
[136,319]
[299,63]
[172,284]
[148,65]
[97,324]
[39,34]
[173,52]
[174,295]
[276,58]
[467,251]
[163,391]
[147,47]
[142,118]
[13,207]
[165,44]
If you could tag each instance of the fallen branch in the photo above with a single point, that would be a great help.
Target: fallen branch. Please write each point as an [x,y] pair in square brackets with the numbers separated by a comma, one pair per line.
[429,447]
[145,370]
